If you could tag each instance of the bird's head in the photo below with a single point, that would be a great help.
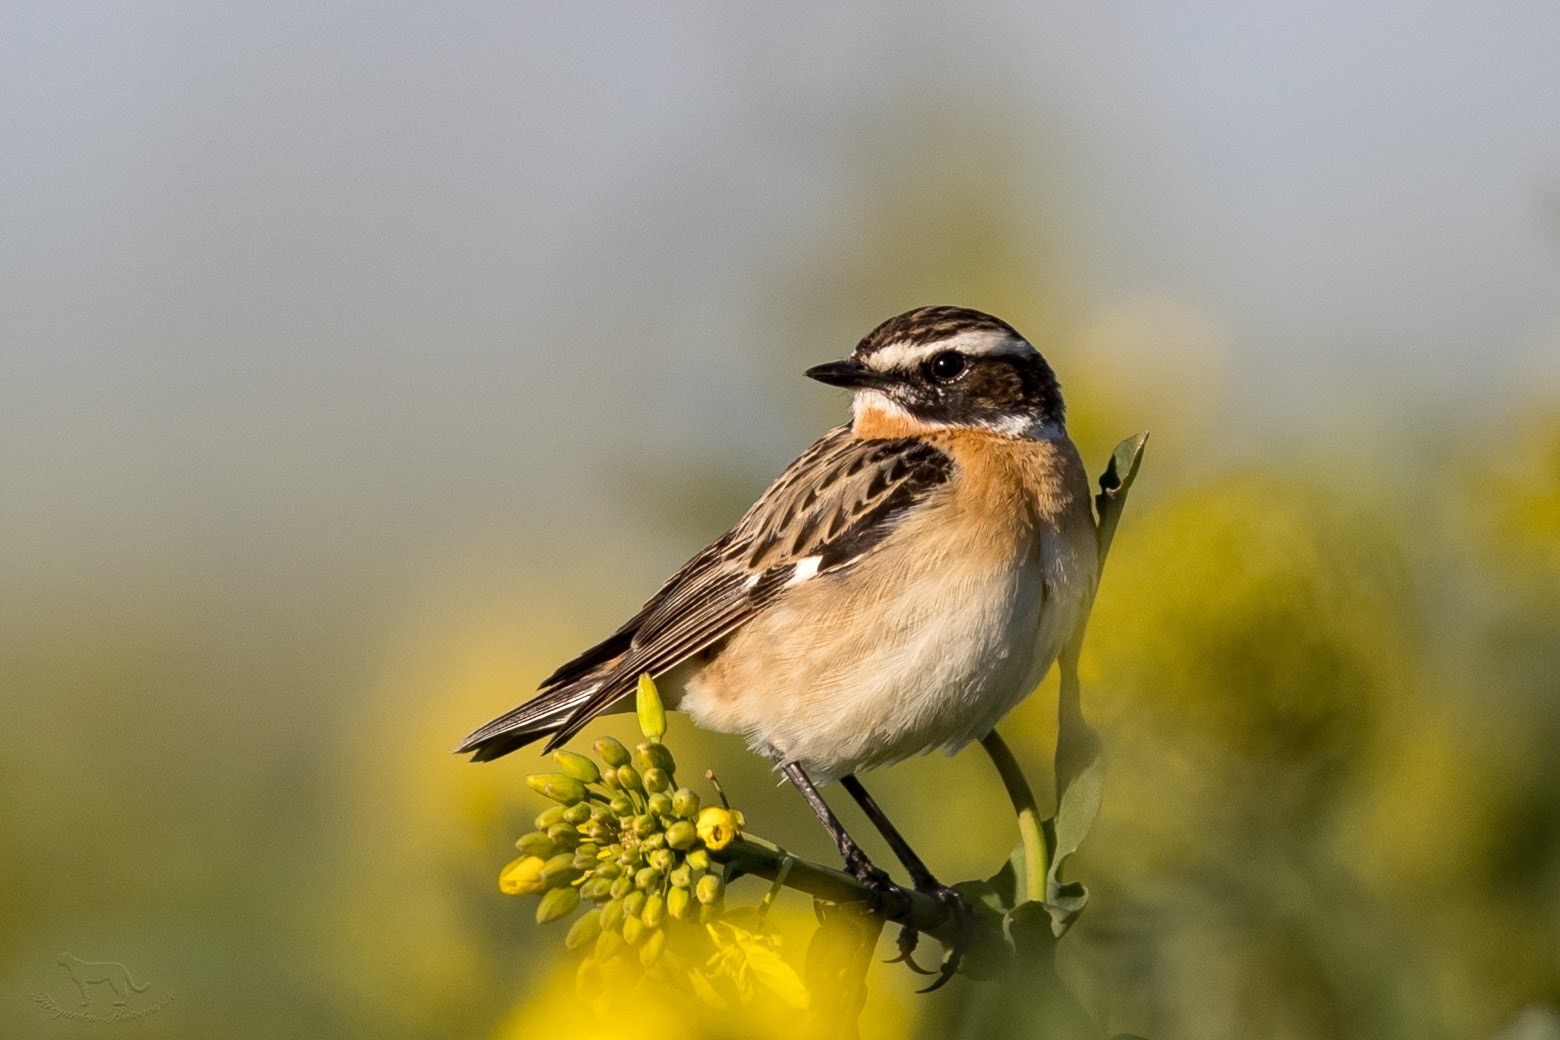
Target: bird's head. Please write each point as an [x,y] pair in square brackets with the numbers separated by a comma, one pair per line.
[944,368]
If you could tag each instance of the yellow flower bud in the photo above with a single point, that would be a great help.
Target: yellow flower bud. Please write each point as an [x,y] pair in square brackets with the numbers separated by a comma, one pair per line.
[629,778]
[612,751]
[550,816]
[681,835]
[634,905]
[655,910]
[584,930]
[685,803]
[577,766]
[558,870]
[717,826]
[633,930]
[557,786]
[536,843]
[678,902]
[608,943]
[652,717]
[698,859]
[656,782]
[650,949]
[710,888]
[649,755]
[560,902]
[522,877]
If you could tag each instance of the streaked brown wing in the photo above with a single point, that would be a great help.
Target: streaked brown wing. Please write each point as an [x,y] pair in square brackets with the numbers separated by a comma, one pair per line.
[617,643]
[828,509]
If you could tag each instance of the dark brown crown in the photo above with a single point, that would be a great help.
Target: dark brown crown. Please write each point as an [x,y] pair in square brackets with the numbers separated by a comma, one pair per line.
[929,324]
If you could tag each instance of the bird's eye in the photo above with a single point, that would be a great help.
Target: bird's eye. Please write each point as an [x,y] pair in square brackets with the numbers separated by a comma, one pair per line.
[947,366]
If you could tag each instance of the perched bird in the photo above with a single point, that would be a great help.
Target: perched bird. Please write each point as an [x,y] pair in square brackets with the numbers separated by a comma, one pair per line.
[901,587]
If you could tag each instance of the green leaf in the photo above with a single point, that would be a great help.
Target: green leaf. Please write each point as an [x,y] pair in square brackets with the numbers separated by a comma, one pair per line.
[1080,760]
[1080,783]
[1115,482]
[1030,930]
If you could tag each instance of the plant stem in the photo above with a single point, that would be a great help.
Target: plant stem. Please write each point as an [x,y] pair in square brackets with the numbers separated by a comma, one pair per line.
[1037,857]
[749,855]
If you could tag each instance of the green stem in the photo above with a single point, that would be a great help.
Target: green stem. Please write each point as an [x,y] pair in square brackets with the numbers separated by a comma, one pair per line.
[750,855]
[1037,857]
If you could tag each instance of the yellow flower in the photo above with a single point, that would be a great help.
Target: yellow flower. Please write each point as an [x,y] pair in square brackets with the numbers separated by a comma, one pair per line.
[522,877]
[717,827]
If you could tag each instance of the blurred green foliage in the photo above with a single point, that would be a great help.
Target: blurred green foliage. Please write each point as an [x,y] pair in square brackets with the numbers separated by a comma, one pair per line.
[1328,690]
[1332,808]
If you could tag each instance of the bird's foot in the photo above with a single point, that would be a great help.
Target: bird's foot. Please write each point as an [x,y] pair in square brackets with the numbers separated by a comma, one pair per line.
[955,908]
[882,892]
[886,896]
[963,916]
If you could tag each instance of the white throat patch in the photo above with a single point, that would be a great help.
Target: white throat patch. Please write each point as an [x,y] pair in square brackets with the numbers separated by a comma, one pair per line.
[881,404]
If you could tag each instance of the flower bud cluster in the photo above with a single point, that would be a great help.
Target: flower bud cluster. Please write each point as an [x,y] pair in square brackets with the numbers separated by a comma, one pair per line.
[627,840]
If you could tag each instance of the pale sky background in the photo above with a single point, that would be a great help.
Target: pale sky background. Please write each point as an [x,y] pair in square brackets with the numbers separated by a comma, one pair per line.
[359,362]
[265,268]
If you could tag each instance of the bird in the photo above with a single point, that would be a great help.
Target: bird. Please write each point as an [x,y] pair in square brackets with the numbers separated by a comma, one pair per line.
[899,588]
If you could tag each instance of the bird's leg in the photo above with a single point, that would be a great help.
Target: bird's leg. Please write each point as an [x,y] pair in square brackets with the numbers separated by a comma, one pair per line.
[919,874]
[856,862]
[923,880]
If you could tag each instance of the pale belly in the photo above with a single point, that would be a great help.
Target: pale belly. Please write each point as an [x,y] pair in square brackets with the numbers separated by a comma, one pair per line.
[935,659]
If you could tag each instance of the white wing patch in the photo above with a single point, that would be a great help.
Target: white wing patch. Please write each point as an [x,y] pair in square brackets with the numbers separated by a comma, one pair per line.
[807,567]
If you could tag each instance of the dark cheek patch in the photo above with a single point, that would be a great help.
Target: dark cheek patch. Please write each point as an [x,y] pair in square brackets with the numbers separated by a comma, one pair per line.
[994,389]
[994,385]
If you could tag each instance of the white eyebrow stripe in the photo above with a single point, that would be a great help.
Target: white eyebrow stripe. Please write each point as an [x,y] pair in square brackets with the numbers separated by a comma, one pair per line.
[976,343]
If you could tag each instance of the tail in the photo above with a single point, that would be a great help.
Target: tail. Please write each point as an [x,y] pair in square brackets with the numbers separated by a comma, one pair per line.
[538,717]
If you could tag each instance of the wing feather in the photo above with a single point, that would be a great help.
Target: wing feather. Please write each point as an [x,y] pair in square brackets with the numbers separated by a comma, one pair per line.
[836,502]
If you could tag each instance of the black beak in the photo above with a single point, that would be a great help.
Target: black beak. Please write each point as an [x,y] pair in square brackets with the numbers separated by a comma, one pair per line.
[849,373]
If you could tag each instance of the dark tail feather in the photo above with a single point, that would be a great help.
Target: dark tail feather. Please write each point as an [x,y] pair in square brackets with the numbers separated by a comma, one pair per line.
[530,722]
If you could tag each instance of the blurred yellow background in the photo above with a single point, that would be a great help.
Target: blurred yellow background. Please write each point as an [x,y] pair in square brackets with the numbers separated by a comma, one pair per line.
[362,363]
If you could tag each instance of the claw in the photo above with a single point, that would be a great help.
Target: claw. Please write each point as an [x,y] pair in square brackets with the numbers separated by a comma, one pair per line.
[882,888]
[950,967]
[965,921]
[907,941]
